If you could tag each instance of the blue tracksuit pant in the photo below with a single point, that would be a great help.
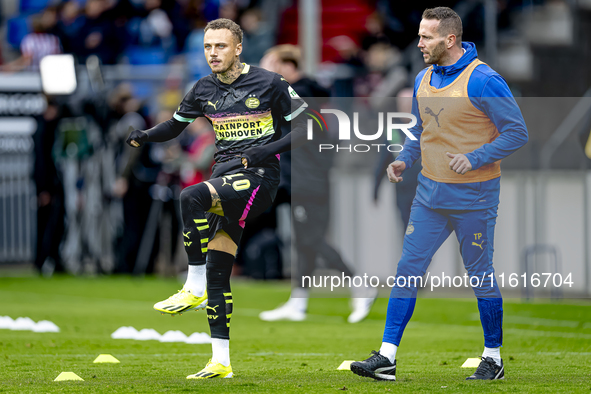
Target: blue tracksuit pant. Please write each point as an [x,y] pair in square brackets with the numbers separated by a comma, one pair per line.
[428,229]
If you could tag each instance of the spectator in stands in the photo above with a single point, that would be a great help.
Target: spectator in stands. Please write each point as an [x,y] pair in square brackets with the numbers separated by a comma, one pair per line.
[50,193]
[386,75]
[98,34]
[196,63]
[136,170]
[181,14]
[69,24]
[155,27]
[348,65]
[229,10]
[257,36]
[374,24]
[38,44]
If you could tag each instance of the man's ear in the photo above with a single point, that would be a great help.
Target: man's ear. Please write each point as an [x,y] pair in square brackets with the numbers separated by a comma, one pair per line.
[451,41]
[238,49]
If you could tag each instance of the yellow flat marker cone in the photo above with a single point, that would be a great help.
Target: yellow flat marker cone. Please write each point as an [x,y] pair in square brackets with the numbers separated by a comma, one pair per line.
[106,358]
[471,363]
[67,376]
[345,365]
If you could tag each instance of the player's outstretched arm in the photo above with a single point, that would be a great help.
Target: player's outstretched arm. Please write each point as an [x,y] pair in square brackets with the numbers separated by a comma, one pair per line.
[160,133]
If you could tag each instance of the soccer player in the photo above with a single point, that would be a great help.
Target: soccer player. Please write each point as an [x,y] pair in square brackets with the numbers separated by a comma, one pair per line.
[310,189]
[467,121]
[246,106]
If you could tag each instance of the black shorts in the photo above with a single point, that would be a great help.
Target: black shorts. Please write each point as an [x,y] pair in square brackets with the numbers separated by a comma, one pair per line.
[244,195]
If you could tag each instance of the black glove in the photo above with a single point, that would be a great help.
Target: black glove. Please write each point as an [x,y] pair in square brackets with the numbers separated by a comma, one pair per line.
[255,155]
[137,138]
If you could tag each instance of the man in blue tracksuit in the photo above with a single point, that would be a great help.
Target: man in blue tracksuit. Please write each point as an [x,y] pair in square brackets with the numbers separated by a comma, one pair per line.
[467,121]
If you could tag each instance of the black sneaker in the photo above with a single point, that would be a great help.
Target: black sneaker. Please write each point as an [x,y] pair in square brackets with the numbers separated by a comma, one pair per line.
[377,367]
[488,370]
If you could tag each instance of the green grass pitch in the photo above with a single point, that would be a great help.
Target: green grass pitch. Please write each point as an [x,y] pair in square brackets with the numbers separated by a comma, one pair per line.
[547,344]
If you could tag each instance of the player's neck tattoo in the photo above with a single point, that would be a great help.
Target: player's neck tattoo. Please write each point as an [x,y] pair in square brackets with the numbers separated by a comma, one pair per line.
[233,73]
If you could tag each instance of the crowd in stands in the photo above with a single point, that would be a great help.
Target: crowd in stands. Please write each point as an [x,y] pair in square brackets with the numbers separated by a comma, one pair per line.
[125,31]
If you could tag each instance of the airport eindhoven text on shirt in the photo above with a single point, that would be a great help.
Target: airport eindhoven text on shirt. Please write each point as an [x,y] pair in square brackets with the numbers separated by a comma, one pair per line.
[345,131]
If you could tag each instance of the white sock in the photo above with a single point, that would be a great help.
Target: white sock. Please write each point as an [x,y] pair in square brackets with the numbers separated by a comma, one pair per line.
[388,350]
[221,351]
[494,353]
[300,292]
[299,299]
[196,280]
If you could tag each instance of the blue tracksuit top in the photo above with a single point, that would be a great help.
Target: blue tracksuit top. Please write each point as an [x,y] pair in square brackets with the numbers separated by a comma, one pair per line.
[484,87]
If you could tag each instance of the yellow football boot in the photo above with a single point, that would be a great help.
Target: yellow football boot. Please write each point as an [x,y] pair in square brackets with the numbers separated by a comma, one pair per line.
[213,370]
[182,301]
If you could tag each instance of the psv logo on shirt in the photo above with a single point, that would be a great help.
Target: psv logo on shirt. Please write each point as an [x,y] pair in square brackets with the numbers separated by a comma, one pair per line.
[252,102]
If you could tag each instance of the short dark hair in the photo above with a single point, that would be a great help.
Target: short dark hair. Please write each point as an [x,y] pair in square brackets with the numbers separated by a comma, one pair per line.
[223,23]
[449,21]
[287,53]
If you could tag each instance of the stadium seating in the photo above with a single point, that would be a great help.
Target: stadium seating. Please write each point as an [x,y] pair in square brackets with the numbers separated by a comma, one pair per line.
[32,6]
[138,55]
[339,18]
[17,28]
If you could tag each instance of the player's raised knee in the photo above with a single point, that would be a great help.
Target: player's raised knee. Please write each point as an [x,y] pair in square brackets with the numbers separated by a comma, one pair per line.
[196,194]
